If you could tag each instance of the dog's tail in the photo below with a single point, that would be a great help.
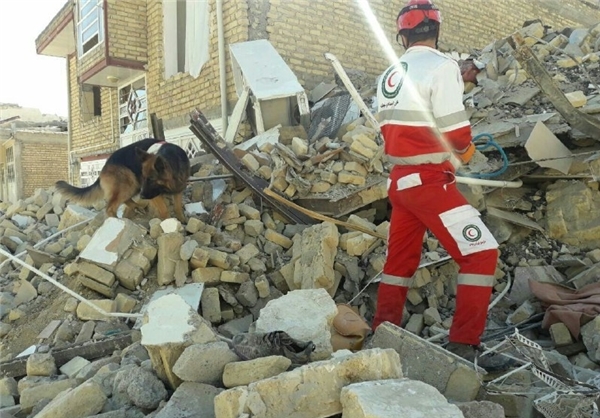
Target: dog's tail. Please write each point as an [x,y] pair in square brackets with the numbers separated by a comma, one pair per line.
[84,195]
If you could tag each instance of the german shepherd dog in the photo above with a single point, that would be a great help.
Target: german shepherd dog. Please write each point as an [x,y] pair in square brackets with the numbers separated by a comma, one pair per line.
[150,168]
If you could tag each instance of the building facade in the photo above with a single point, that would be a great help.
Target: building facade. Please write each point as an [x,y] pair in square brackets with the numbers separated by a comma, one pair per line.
[30,159]
[127,59]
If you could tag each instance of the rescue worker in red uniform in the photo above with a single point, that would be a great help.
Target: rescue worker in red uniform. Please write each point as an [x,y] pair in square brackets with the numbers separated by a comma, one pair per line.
[427,135]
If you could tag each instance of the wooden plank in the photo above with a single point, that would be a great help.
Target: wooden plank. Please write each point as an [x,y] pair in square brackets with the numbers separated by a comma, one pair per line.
[237,115]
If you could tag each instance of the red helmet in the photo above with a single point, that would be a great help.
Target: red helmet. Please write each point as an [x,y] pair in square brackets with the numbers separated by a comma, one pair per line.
[417,11]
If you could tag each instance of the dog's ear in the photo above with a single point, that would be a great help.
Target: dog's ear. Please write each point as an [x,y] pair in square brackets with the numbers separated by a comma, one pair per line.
[141,154]
[160,164]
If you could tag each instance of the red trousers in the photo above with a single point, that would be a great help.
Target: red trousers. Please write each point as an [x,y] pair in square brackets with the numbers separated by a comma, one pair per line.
[425,197]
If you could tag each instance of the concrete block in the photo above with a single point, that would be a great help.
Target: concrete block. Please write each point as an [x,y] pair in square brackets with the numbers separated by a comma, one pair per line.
[83,401]
[346,177]
[247,252]
[72,215]
[204,363]
[87,313]
[560,334]
[306,315]
[577,98]
[199,258]
[313,256]
[242,373]
[312,390]
[45,390]
[171,225]
[429,363]
[73,366]
[253,228]
[125,303]
[111,241]
[129,275]
[229,276]
[395,398]
[210,276]
[169,246]
[40,364]
[247,294]
[211,305]
[278,238]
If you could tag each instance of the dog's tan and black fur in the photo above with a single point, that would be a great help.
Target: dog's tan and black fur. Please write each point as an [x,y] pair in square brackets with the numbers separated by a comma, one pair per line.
[132,170]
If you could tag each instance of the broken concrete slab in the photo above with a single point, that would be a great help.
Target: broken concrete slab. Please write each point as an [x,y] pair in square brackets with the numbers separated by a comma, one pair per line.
[295,393]
[453,376]
[516,218]
[306,315]
[191,400]
[110,241]
[395,398]
[542,144]
[170,326]
[520,291]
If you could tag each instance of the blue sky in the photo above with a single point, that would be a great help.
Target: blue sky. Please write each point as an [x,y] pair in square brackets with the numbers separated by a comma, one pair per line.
[26,78]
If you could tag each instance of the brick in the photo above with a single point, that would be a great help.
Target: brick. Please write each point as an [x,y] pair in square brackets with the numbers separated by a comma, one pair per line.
[349,178]
[278,238]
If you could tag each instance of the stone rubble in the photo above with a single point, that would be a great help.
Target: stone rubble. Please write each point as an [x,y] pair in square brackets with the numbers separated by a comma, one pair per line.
[251,270]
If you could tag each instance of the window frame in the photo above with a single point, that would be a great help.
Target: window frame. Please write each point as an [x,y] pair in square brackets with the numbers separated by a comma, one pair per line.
[97,22]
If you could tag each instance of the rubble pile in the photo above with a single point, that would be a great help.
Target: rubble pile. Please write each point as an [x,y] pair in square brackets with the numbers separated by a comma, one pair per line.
[505,101]
[237,266]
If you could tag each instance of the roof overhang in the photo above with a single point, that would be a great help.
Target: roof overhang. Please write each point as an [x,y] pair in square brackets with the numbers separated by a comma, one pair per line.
[58,38]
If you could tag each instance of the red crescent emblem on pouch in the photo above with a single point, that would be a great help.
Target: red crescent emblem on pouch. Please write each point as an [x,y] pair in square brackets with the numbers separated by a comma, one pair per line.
[390,78]
[471,233]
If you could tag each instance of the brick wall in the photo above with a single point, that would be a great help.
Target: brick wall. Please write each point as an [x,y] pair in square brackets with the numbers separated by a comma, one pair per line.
[43,163]
[475,23]
[127,34]
[91,58]
[178,95]
[101,132]
[303,30]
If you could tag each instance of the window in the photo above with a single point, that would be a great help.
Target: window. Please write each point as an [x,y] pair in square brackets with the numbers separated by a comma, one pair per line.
[91,102]
[10,164]
[133,105]
[186,36]
[90,25]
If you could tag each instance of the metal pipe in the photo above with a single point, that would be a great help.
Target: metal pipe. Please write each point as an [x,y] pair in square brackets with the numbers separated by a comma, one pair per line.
[222,64]
[493,183]
[67,290]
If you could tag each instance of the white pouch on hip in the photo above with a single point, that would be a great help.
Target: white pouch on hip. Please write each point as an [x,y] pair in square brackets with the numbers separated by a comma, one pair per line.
[468,230]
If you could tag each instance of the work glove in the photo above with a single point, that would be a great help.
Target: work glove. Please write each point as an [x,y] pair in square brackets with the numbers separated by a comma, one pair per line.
[467,154]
